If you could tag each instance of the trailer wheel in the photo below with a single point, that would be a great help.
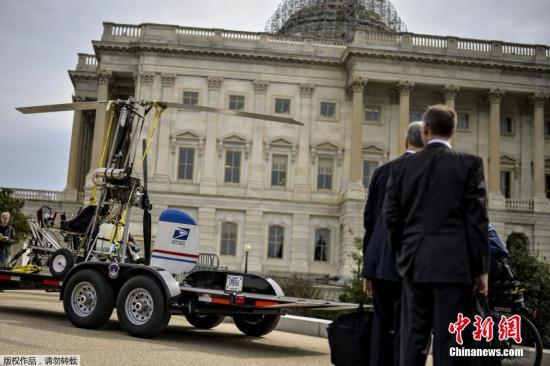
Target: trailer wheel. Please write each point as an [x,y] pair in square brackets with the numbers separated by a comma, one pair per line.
[88,299]
[256,325]
[141,307]
[61,262]
[204,321]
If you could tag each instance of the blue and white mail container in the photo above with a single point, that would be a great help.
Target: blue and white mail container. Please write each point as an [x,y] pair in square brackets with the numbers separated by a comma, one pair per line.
[176,246]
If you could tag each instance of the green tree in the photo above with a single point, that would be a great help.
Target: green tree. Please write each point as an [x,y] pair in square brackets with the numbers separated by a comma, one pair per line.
[354,291]
[17,218]
[534,274]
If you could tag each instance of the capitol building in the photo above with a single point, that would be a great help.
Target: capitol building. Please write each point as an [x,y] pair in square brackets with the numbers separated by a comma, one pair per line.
[293,196]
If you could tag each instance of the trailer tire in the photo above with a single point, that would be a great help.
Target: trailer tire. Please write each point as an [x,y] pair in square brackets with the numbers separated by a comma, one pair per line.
[141,307]
[256,325]
[61,262]
[88,299]
[204,321]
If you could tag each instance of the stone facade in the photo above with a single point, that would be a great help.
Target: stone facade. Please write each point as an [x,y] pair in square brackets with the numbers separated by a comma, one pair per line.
[355,100]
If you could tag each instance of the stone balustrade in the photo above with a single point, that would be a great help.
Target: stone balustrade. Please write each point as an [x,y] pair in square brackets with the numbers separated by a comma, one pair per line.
[86,62]
[410,42]
[36,194]
[519,205]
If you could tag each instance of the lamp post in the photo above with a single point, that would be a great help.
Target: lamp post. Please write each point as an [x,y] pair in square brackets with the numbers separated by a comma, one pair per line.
[246,250]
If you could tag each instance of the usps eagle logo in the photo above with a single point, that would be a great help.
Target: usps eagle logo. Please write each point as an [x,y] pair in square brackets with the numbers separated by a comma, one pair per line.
[180,236]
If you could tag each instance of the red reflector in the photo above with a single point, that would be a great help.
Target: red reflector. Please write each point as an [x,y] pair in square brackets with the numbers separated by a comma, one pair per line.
[240,300]
[5,277]
[219,300]
[260,303]
[49,282]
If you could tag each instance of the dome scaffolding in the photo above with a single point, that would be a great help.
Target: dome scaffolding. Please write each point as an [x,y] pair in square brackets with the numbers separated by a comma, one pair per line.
[334,19]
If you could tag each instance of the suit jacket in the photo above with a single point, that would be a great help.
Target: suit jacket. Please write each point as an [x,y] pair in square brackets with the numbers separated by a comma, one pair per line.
[378,262]
[436,216]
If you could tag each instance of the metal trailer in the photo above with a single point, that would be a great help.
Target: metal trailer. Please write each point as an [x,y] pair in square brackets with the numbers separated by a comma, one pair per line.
[145,297]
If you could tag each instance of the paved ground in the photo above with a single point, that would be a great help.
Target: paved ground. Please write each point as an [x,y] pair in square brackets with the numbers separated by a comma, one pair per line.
[34,323]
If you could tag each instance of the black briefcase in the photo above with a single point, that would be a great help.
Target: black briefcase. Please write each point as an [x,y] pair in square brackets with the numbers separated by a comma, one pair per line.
[349,338]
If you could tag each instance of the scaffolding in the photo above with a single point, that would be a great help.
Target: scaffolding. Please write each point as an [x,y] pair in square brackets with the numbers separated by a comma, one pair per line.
[334,19]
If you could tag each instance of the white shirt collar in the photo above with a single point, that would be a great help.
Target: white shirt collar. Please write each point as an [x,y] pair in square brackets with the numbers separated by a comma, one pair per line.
[439,141]
[410,152]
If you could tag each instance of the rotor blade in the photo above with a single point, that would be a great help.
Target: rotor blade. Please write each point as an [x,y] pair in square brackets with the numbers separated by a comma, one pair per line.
[145,165]
[78,106]
[229,112]
[147,236]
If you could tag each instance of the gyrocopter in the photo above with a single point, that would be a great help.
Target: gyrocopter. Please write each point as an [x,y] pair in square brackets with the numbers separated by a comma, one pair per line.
[97,272]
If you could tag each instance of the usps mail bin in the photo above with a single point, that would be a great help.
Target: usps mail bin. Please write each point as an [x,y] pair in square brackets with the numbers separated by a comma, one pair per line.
[176,247]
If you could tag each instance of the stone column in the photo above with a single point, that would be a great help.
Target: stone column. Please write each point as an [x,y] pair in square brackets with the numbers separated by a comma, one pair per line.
[449,93]
[405,88]
[355,173]
[495,197]
[300,243]
[256,182]
[539,194]
[163,145]
[302,188]
[75,156]
[208,181]
[100,128]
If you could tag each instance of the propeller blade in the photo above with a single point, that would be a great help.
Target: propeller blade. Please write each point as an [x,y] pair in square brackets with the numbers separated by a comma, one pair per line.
[146,213]
[147,236]
[78,106]
[200,108]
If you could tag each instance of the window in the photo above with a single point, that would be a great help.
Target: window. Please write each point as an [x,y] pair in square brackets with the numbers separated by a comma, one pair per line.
[506,125]
[190,98]
[328,110]
[236,102]
[322,244]
[505,183]
[275,241]
[547,178]
[228,244]
[373,114]
[232,167]
[547,128]
[278,170]
[282,106]
[324,173]
[416,116]
[368,168]
[463,121]
[185,163]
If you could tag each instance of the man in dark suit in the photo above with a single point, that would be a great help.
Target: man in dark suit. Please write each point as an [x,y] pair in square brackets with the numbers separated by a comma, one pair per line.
[381,281]
[438,227]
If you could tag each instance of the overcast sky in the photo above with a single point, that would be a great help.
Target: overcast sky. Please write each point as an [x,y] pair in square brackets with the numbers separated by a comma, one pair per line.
[41,39]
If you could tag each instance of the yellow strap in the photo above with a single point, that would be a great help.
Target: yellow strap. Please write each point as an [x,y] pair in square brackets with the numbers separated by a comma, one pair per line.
[29,268]
[103,154]
[158,111]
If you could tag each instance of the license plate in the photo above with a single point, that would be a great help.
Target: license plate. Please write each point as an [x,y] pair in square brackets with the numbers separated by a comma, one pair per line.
[234,283]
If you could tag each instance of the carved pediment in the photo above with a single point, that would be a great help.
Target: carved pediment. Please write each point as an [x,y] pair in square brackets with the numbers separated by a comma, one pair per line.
[326,145]
[373,150]
[189,138]
[280,143]
[234,140]
[507,160]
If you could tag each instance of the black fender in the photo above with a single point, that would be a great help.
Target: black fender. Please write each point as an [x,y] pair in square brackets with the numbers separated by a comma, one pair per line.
[215,280]
[126,271]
